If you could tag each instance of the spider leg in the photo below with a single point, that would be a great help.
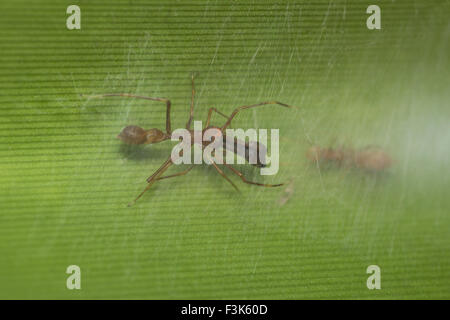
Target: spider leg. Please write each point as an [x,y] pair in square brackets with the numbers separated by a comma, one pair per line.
[223,174]
[167,101]
[241,175]
[152,179]
[236,111]
[210,111]
[191,115]
[182,173]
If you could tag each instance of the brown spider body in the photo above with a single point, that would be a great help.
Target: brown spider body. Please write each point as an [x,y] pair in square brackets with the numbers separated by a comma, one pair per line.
[373,159]
[137,135]
[251,150]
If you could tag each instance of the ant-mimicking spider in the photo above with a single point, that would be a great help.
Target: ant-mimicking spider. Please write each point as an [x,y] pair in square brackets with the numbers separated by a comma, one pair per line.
[136,135]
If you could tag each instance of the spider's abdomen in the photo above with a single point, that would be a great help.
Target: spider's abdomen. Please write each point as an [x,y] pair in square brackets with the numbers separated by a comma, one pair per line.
[253,152]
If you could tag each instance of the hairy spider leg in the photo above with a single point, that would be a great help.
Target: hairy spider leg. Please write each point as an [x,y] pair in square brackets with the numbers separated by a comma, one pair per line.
[236,111]
[241,175]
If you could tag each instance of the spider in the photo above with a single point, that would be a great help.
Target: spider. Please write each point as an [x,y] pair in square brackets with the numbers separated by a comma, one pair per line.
[136,135]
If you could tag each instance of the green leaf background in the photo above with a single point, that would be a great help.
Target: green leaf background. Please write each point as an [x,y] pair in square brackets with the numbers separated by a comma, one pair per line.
[65,180]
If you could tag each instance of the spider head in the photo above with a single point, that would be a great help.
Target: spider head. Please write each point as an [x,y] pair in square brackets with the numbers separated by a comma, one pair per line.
[137,135]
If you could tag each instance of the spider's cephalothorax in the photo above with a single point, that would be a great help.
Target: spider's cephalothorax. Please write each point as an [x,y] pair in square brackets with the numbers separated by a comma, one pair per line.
[137,135]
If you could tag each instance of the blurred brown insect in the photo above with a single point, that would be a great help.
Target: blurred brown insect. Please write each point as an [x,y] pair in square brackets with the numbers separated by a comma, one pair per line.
[136,135]
[368,158]
[288,192]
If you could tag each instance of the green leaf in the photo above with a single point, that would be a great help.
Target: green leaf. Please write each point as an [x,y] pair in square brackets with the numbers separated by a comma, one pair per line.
[66,180]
